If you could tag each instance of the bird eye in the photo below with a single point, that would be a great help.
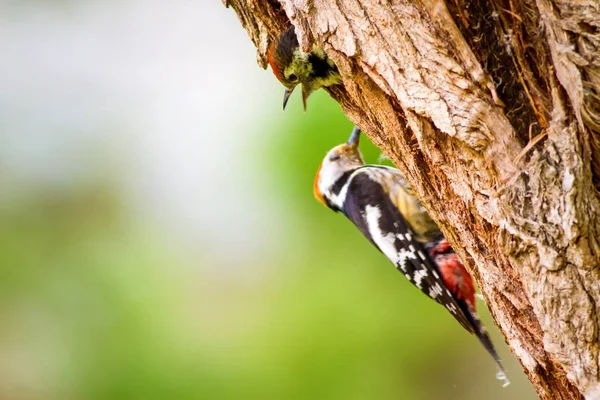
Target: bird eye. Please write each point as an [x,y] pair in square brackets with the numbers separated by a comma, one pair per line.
[334,157]
[293,77]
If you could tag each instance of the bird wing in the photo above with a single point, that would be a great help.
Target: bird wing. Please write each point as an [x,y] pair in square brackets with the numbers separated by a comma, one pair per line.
[406,201]
[369,207]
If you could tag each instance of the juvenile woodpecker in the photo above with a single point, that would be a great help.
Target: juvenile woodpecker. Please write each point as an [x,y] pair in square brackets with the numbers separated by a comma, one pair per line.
[383,206]
[292,66]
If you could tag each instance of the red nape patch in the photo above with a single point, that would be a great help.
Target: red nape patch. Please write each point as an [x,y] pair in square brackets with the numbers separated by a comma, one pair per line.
[456,278]
[316,190]
[275,66]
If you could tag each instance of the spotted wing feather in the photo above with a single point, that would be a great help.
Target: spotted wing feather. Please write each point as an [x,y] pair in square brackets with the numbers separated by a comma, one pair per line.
[369,207]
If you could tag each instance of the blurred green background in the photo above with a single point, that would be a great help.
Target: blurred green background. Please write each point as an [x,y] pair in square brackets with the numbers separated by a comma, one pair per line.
[158,234]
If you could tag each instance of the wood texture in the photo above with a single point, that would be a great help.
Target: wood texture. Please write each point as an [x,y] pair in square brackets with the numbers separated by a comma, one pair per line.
[492,112]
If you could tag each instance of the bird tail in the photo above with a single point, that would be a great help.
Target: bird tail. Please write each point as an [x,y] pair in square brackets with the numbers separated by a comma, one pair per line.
[485,340]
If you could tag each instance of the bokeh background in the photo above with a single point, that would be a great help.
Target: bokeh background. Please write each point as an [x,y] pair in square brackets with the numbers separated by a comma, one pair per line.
[158,234]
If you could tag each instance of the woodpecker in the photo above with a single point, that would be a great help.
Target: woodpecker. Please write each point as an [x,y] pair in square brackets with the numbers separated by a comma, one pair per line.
[292,66]
[383,206]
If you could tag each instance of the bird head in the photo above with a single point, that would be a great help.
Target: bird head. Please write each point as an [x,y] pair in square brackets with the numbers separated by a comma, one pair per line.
[340,161]
[292,66]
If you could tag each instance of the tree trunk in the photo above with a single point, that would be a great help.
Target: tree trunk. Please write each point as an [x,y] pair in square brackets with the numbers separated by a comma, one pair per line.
[492,111]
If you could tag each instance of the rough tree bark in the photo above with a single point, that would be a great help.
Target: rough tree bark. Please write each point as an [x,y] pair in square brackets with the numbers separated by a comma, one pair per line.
[492,111]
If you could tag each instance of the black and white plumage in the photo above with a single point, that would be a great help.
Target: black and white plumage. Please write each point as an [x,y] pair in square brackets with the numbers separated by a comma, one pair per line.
[383,206]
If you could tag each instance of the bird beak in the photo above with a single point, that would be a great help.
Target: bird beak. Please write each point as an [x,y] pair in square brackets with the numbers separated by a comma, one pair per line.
[305,93]
[286,96]
[354,137]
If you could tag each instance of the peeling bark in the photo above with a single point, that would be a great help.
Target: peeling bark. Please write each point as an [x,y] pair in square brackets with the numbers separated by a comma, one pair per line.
[492,112]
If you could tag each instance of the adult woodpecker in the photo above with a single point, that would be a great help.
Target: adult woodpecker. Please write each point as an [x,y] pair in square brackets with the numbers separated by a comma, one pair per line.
[383,206]
[292,66]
